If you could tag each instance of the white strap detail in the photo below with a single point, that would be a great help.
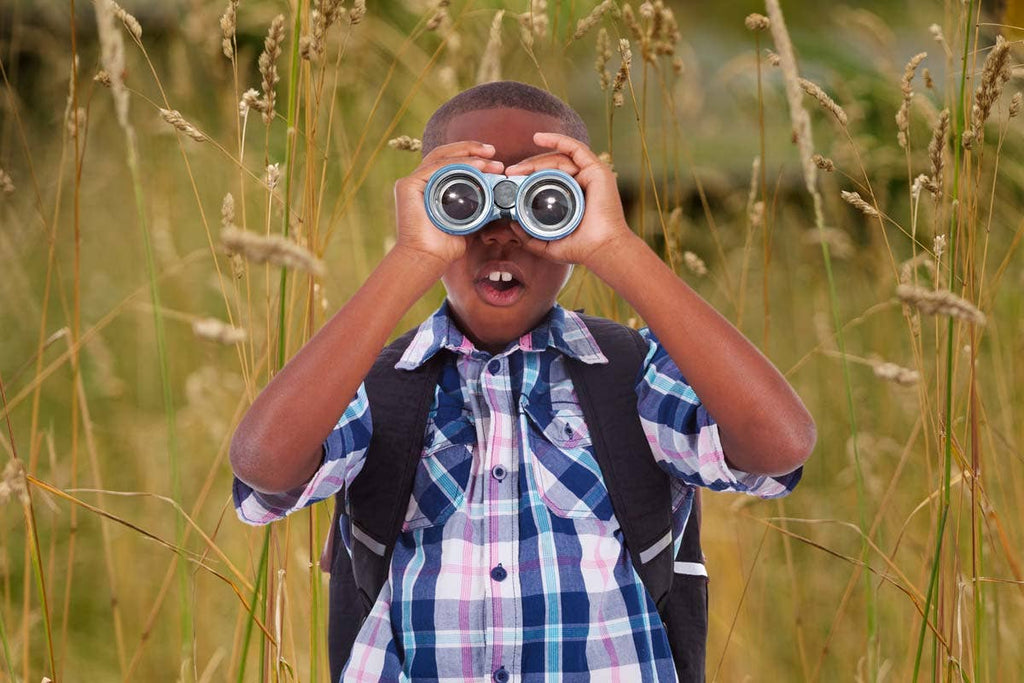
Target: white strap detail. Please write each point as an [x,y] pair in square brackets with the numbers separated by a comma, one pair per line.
[691,569]
[362,537]
[659,545]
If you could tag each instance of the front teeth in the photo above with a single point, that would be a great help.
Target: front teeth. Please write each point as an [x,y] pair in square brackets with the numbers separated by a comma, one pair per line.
[500,275]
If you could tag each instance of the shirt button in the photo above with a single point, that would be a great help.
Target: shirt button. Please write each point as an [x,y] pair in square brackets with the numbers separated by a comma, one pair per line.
[501,676]
[499,574]
[498,472]
[494,367]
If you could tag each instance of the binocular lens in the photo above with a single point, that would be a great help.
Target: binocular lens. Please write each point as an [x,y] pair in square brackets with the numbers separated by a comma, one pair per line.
[460,200]
[551,205]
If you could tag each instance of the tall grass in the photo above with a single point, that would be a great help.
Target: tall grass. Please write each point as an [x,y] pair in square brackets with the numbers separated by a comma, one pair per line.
[896,559]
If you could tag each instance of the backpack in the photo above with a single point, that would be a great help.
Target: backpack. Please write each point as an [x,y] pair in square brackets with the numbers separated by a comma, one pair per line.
[640,493]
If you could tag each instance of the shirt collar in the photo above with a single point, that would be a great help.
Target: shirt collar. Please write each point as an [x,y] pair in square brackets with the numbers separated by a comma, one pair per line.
[561,330]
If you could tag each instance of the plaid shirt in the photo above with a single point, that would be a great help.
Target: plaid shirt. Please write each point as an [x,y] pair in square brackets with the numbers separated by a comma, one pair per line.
[511,564]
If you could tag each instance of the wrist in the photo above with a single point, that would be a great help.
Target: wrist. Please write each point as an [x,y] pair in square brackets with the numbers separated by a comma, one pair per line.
[613,254]
[417,263]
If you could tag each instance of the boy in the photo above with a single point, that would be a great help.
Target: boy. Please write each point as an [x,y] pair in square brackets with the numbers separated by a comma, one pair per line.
[511,564]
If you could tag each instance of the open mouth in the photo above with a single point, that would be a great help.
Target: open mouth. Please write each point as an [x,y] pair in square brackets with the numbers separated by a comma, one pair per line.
[499,287]
[502,280]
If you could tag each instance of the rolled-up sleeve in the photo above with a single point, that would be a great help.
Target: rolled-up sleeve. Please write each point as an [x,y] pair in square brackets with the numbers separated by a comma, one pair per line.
[684,437]
[344,452]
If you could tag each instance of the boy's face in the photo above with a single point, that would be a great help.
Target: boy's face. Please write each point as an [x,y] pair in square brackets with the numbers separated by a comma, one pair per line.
[493,313]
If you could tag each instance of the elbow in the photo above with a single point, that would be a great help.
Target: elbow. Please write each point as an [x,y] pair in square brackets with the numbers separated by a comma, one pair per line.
[262,464]
[251,464]
[796,445]
[245,460]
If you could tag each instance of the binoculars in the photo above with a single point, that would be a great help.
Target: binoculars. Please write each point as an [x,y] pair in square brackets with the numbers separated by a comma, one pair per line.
[547,204]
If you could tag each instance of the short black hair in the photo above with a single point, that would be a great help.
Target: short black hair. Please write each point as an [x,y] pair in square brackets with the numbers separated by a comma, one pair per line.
[508,94]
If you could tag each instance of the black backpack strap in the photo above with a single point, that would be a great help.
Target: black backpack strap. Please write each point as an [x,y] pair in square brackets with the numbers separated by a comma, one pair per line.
[640,491]
[379,497]
[685,612]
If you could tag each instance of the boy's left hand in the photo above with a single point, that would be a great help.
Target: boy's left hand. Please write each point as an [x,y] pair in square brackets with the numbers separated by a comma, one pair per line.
[603,220]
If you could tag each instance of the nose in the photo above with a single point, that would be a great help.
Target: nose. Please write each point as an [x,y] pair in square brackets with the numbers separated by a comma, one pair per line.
[499,232]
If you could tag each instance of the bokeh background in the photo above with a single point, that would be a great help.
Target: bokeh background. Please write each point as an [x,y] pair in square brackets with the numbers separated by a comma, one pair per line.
[120,555]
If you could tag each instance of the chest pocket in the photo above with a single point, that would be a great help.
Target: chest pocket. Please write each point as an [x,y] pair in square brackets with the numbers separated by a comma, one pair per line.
[561,456]
[442,475]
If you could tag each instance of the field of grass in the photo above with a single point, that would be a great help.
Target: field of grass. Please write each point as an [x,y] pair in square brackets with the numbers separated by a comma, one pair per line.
[134,335]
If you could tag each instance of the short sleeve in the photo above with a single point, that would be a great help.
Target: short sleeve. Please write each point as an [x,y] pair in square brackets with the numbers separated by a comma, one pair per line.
[684,437]
[344,452]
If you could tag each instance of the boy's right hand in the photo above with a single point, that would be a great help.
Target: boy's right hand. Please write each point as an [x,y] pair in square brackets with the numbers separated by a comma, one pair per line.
[415,231]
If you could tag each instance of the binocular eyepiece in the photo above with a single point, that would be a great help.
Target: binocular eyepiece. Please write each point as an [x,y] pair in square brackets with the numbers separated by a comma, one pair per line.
[547,204]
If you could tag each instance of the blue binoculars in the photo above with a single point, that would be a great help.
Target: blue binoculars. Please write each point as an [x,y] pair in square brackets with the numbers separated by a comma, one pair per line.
[547,204]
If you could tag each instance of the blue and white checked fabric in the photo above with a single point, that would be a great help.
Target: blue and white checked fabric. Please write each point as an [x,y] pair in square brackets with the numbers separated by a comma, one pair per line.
[511,564]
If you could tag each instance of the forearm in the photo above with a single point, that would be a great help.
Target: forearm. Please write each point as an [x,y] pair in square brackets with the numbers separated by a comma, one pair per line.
[762,423]
[277,445]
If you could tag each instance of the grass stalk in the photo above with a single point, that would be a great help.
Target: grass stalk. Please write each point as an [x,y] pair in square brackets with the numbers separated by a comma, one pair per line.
[801,124]
[32,535]
[6,649]
[956,114]
[258,602]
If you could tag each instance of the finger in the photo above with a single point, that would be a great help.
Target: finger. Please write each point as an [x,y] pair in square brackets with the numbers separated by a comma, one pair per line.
[484,165]
[581,155]
[549,160]
[461,148]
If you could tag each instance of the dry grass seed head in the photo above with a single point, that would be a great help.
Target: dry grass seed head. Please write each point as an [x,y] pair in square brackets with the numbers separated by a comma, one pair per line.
[228,25]
[357,13]
[756,22]
[936,150]
[994,76]
[604,55]
[854,199]
[227,211]
[903,114]
[273,176]
[275,249]
[112,60]
[695,264]
[174,117]
[798,115]
[909,71]
[622,75]
[940,302]
[6,184]
[824,163]
[826,102]
[755,179]
[1015,104]
[13,483]
[588,22]
[490,61]
[905,377]
[533,23]
[250,100]
[217,331]
[268,67]
[440,15]
[939,245]
[405,143]
[130,22]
